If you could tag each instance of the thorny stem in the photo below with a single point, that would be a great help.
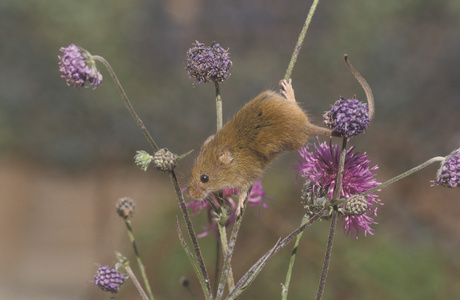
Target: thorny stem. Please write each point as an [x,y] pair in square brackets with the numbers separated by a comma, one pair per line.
[127,102]
[327,256]
[138,258]
[367,89]
[300,40]
[218,106]
[191,232]
[403,175]
[330,242]
[287,281]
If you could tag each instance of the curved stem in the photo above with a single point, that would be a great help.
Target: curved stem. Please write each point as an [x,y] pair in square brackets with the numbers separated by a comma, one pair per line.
[403,175]
[300,40]
[127,102]
[367,89]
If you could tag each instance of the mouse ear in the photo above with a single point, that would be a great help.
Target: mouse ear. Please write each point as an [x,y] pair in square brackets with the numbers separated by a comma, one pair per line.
[208,140]
[226,156]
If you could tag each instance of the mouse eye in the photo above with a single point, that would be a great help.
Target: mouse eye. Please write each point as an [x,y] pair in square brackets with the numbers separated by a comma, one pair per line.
[204,178]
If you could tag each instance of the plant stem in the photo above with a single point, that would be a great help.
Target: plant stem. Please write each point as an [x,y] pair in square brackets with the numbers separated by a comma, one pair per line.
[300,40]
[252,273]
[287,281]
[403,175]
[218,106]
[127,102]
[224,243]
[138,258]
[207,284]
[327,256]
[338,184]
[330,242]
[136,283]
[227,269]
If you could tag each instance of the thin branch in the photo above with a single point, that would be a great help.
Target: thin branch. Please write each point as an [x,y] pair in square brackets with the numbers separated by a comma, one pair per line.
[300,40]
[128,104]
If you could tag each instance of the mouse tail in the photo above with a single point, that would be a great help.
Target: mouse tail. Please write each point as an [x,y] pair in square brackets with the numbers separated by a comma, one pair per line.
[314,129]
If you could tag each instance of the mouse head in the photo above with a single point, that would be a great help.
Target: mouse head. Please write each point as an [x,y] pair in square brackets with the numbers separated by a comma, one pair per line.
[212,169]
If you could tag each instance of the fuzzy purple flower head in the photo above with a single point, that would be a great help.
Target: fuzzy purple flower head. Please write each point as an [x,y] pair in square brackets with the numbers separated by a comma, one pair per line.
[78,67]
[449,173]
[320,168]
[208,64]
[348,117]
[109,280]
[256,198]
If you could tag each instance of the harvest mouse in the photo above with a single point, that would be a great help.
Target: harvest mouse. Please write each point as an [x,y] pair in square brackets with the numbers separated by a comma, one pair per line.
[238,154]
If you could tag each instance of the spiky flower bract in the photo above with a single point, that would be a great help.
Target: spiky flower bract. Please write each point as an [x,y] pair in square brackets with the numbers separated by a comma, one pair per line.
[256,198]
[78,67]
[208,64]
[320,168]
[348,117]
[449,173]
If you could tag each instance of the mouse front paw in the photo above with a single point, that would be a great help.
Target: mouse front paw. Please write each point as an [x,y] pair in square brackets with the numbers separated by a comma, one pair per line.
[286,89]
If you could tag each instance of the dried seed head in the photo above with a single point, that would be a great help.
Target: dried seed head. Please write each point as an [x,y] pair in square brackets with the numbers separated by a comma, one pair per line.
[126,207]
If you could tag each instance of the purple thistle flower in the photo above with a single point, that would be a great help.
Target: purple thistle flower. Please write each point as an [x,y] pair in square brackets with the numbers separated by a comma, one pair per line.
[78,67]
[256,198]
[109,280]
[320,168]
[449,173]
[348,117]
[206,64]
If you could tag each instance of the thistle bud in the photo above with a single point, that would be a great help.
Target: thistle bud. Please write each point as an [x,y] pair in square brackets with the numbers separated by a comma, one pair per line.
[125,207]
[208,64]
[356,205]
[348,117]
[164,160]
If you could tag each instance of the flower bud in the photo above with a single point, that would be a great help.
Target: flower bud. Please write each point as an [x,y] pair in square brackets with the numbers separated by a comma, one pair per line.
[449,173]
[356,205]
[78,67]
[125,207]
[348,117]
[164,160]
[143,159]
[109,280]
[208,64]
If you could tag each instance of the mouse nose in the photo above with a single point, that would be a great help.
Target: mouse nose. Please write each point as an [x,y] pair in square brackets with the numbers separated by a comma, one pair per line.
[195,192]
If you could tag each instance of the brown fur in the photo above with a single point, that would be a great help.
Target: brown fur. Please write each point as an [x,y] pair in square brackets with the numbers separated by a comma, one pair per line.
[238,154]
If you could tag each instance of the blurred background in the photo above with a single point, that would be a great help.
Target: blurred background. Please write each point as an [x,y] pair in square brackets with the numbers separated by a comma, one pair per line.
[66,155]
